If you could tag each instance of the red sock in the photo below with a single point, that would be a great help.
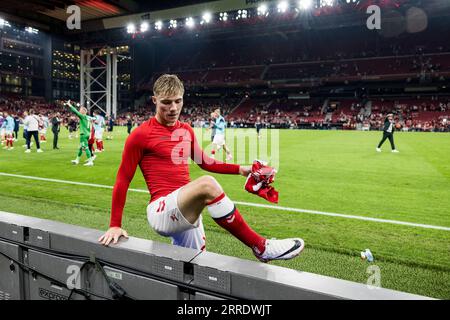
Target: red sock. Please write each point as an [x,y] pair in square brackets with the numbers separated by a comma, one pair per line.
[233,222]
[101,145]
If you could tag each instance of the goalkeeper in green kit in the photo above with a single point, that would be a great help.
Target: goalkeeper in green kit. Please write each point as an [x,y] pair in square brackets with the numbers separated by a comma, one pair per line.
[84,133]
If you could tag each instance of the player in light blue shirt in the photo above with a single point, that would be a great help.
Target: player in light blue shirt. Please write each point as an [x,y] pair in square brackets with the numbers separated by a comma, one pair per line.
[219,138]
[220,125]
[8,126]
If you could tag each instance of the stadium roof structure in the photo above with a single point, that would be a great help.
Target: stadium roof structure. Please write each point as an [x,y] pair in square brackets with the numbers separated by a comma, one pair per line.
[50,15]
[107,21]
[338,13]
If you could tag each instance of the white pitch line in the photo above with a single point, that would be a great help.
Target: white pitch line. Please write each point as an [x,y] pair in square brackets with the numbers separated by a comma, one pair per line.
[340,215]
[250,204]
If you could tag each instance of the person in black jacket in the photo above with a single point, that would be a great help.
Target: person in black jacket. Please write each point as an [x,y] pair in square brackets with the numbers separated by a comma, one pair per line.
[258,126]
[388,132]
[16,127]
[110,120]
[129,124]
[56,126]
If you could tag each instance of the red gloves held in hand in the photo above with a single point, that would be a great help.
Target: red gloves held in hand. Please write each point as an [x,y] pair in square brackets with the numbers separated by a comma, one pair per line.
[259,180]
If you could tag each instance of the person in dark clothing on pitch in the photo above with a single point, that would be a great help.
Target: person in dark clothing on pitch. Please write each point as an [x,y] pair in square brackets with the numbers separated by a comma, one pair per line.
[110,127]
[388,133]
[16,127]
[129,124]
[56,126]
[258,126]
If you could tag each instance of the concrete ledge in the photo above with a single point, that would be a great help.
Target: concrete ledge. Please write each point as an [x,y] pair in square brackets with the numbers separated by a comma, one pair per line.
[49,251]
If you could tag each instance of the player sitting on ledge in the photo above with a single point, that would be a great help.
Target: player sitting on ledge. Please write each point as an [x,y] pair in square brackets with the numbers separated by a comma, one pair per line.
[162,147]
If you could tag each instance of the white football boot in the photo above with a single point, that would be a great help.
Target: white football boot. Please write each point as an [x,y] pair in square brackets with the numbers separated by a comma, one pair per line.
[284,249]
[89,163]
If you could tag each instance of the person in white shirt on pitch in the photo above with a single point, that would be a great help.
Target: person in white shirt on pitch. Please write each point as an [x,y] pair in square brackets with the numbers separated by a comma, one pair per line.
[32,124]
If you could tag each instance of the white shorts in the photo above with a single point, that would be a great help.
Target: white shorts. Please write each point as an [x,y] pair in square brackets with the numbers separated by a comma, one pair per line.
[7,132]
[219,139]
[166,219]
[98,134]
[43,131]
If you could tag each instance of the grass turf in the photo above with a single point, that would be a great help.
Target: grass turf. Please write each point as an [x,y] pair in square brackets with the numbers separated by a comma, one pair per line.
[332,171]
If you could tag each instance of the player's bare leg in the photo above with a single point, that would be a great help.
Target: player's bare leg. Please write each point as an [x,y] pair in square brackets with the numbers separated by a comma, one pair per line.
[195,196]
[207,192]
[227,150]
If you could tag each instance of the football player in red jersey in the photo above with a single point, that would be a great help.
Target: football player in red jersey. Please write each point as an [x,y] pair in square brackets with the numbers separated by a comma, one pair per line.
[161,147]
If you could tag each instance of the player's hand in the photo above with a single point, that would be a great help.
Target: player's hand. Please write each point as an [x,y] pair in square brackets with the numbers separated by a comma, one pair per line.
[113,234]
[245,171]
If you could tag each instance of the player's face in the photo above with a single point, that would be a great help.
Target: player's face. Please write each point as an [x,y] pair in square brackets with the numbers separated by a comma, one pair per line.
[83,110]
[168,108]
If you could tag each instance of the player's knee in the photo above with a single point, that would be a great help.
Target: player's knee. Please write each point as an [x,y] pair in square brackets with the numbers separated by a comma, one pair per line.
[210,186]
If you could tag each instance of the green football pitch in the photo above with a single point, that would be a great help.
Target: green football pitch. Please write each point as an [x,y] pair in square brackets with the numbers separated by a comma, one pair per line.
[322,171]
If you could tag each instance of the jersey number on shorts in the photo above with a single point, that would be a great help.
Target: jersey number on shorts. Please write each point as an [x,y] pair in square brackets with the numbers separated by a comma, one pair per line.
[161,207]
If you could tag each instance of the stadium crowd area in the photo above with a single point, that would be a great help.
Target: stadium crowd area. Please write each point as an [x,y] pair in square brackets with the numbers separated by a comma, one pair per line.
[414,114]
[340,58]
[313,59]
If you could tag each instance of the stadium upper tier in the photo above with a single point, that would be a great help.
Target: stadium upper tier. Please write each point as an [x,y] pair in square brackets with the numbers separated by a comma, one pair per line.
[373,68]
[344,54]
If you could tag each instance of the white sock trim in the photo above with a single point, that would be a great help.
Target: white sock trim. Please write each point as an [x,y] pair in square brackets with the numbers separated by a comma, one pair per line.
[221,208]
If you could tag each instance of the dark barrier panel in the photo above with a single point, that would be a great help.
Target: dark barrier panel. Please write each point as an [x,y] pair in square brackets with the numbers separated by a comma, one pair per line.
[42,259]
[49,275]
[10,273]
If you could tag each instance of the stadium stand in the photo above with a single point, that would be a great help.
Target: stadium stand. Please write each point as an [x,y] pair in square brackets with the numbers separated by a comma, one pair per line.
[419,114]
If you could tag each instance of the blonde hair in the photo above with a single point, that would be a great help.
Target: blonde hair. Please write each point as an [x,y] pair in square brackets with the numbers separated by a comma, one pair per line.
[217,111]
[168,84]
